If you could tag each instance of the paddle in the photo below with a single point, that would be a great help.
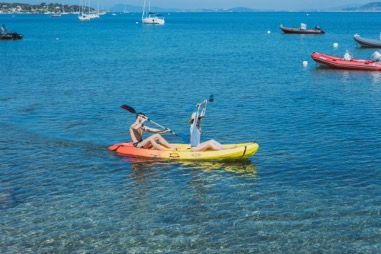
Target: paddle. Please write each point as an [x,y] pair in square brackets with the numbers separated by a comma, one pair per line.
[132,110]
[210,99]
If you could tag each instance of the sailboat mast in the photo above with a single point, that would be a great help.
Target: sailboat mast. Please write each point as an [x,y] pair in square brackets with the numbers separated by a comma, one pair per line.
[144,7]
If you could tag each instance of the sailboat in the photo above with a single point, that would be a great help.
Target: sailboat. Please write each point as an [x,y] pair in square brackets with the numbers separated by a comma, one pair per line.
[63,10]
[84,16]
[151,17]
[57,12]
[94,15]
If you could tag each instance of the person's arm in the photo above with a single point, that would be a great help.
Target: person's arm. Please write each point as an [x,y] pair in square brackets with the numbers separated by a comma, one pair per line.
[139,122]
[195,128]
[203,111]
[197,113]
[153,130]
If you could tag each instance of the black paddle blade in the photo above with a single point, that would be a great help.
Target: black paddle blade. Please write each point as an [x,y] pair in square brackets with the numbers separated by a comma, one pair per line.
[128,108]
[211,98]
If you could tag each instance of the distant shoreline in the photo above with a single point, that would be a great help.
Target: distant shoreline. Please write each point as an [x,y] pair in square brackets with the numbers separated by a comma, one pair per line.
[44,8]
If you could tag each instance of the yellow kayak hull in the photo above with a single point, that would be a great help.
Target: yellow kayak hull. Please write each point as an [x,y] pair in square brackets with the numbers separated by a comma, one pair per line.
[233,152]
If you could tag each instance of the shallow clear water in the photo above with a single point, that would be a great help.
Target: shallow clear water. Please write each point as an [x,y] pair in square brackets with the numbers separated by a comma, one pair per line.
[313,187]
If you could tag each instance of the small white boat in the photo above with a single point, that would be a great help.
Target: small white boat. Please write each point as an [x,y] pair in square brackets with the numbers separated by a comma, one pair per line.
[152,18]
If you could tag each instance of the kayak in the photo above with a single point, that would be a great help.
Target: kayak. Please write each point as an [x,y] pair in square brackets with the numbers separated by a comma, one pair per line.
[233,152]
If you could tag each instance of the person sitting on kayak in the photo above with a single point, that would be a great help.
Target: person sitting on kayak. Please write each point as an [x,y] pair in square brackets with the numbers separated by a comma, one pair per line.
[137,130]
[195,132]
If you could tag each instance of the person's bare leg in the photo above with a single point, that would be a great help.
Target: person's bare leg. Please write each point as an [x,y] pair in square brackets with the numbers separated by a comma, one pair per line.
[146,143]
[157,141]
[207,145]
[217,144]
[162,141]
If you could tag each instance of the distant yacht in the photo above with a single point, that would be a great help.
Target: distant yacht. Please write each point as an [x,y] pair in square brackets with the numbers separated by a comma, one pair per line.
[94,15]
[63,12]
[151,17]
[84,15]
[57,12]
[55,15]
[102,12]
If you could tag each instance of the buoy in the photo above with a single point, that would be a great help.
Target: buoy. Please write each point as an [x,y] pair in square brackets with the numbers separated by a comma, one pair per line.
[137,22]
[305,64]
[335,45]
[269,32]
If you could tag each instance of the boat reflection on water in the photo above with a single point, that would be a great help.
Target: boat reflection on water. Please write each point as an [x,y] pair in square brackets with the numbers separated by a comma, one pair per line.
[241,167]
[376,77]
[347,76]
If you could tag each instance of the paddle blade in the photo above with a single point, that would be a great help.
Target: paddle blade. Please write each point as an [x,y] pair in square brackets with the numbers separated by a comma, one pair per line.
[211,98]
[128,108]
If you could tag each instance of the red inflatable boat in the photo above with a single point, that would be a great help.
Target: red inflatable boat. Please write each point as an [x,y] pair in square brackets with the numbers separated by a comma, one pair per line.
[347,62]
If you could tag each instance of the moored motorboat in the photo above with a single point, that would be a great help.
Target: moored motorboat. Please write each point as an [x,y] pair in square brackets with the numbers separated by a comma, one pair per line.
[347,62]
[302,30]
[4,35]
[233,152]
[367,43]
[11,36]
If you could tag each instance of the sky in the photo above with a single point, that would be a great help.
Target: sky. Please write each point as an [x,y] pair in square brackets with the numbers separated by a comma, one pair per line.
[220,4]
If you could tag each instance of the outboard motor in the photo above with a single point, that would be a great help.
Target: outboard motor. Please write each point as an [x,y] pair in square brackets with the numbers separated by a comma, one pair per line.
[376,57]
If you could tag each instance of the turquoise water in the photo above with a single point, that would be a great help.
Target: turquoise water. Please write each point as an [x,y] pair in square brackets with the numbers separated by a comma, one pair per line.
[313,186]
